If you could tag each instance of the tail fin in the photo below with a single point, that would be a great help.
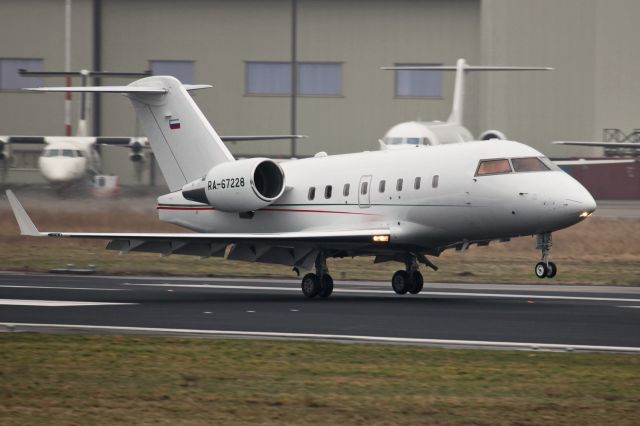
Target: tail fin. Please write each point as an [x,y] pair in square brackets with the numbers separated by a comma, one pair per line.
[184,143]
[457,110]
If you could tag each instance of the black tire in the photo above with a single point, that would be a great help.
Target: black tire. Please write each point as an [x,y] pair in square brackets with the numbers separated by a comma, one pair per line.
[400,282]
[326,286]
[417,282]
[310,285]
[552,270]
[541,270]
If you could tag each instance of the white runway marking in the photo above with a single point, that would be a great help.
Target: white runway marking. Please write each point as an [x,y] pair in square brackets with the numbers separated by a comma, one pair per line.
[390,292]
[629,307]
[331,337]
[55,303]
[64,288]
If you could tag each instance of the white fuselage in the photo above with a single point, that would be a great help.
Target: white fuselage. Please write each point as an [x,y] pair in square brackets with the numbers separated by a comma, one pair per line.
[65,161]
[455,207]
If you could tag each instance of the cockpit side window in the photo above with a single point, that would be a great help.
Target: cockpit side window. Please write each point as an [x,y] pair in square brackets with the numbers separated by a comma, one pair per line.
[550,164]
[493,167]
[529,164]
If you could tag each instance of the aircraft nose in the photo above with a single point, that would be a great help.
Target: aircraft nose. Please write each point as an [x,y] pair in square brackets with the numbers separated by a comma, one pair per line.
[580,201]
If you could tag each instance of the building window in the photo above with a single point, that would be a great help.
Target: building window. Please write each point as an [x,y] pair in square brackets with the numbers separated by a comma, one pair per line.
[10,79]
[416,183]
[320,79]
[312,193]
[345,190]
[182,70]
[382,185]
[268,78]
[274,79]
[327,191]
[434,181]
[399,185]
[418,84]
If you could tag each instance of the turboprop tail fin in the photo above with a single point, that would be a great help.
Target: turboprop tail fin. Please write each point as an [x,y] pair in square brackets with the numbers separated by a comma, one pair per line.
[183,141]
[461,68]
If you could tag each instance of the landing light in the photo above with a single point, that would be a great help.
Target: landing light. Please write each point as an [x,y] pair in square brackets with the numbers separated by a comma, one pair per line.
[585,215]
[380,238]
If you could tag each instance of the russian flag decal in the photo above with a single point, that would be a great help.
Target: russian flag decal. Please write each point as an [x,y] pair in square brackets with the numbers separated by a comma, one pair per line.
[174,123]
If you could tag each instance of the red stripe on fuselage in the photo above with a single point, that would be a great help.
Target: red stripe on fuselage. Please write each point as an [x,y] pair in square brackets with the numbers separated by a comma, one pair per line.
[268,210]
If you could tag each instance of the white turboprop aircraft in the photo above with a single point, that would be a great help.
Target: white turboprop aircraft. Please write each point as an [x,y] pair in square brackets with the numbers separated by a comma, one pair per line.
[401,205]
[452,130]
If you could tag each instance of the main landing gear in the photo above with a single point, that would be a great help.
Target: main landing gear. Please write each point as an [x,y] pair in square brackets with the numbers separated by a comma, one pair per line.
[410,280]
[320,283]
[545,268]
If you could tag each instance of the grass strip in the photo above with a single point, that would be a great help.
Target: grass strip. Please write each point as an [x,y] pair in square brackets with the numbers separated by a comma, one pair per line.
[66,379]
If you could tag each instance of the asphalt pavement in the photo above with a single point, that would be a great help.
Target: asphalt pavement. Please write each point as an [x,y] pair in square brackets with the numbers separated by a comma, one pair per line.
[471,315]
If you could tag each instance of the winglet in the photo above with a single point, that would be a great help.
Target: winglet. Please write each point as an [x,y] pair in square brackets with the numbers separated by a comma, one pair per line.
[24,221]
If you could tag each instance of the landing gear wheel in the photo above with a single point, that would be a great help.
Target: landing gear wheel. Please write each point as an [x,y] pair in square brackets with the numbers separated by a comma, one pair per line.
[552,270]
[400,282]
[541,270]
[310,285]
[326,286]
[417,282]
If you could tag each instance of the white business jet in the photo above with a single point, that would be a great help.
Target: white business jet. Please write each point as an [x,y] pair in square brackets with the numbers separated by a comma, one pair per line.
[452,130]
[400,205]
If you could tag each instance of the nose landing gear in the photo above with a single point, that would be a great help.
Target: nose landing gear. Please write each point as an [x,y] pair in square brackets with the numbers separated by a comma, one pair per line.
[320,283]
[545,268]
[409,280]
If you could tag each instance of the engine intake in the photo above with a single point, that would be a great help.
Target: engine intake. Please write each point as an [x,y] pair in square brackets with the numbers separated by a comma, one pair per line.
[487,135]
[238,186]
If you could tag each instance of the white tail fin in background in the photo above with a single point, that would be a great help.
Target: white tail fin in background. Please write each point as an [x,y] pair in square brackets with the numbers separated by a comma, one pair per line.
[183,141]
[461,68]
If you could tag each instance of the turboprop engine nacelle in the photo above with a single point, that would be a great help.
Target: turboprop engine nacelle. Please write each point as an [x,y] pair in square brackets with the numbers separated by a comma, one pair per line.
[4,152]
[238,186]
[487,135]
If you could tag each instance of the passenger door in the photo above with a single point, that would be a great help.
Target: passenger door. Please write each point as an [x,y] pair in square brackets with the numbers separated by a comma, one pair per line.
[364,192]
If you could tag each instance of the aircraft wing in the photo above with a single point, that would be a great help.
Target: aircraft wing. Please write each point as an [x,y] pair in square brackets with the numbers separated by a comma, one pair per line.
[599,144]
[584,162]
[290,248]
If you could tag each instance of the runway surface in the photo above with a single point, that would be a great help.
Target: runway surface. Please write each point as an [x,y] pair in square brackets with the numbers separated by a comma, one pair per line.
[513,316]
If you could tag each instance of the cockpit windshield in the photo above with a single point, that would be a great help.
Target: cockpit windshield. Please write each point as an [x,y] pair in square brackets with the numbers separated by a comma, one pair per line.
[72,153]
[529,164]
[515,165]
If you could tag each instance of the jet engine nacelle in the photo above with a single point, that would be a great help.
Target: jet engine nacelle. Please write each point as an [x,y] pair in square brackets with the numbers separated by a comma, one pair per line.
[238,186]
[136,154]
[492,134]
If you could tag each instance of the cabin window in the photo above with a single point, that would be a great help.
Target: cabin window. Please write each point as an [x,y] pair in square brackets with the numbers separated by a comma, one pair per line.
[327,191]
[312,193]
[416,183]
[345,190]
[434,181]
[493,167]
[364,188]
[382,185]
[399,185]
[529,164]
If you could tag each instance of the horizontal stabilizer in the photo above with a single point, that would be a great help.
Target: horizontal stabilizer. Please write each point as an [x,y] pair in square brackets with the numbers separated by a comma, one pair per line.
[466,68]
[100,89]
[114,89]
[600,144]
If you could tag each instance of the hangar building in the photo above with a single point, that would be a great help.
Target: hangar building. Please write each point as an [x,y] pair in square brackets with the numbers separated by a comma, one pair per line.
[344,102]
